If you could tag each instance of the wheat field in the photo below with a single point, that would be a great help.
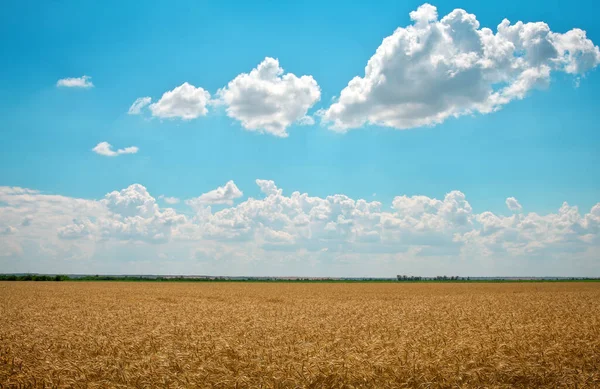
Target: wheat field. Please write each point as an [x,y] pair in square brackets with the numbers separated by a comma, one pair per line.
[280,335]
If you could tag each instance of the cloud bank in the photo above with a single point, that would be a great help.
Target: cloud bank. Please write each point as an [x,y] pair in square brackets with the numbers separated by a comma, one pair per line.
[297,231]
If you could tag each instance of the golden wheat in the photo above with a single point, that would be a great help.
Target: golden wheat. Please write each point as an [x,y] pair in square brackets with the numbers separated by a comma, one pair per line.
[111,334]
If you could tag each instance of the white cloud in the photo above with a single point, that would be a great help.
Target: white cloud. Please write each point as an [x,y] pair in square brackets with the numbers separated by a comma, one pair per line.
[267,100]
[513,204]
[185,102]
[439,68]
[222,195]
[418,225]
[138,104]
[294,230]
[39,239]
[134,215]
[169,200]
[75,82]
[306,121]
[105,148]
[131,201]
[76,230]
[268,187]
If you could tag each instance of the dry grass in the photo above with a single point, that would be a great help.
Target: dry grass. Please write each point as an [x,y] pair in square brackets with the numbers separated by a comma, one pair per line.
[72,334]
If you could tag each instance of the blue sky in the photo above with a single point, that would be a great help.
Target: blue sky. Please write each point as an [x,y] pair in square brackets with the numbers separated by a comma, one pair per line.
[541,147]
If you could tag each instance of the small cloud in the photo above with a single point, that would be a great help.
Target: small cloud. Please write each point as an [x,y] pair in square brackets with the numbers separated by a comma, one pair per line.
[184,102]
[268,187]
[138,104]
[222,195]
[306,121]
[169,200]
[105,148]
[513,204]
[75,82]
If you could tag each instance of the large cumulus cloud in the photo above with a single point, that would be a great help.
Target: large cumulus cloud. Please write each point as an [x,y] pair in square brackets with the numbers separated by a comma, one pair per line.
[436,68]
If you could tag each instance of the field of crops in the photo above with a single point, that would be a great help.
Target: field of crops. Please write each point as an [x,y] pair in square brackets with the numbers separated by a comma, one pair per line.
[126,334]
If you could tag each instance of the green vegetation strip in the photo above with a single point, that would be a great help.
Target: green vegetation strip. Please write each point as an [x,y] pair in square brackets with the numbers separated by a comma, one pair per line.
[39,277]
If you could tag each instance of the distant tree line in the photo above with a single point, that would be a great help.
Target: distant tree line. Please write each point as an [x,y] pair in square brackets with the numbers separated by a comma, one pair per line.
[409,278]
[133,278]
[32,277]
[151,278]
[405,278]
[437,278]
